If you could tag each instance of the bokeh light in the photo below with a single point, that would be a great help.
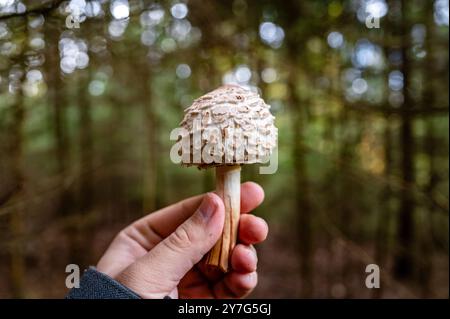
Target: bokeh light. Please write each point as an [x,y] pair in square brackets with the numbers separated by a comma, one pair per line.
[120,9]
[269,75]
[179,10]
[371,9]
[183,71]
[73,53]
[96,87]
[367,55]
[271,34]
[396,80]
[153,16]
[359,86]
[441,15]
[335,39]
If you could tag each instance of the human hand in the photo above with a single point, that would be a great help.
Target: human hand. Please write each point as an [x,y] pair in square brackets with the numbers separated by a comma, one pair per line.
[161,254]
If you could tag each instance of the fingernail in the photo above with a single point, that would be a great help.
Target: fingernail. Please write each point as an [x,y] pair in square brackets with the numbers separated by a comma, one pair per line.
[208,207]
[251,249]
[251,279]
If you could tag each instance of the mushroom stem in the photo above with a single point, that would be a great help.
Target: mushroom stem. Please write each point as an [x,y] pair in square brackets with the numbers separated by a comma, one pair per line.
[228,187]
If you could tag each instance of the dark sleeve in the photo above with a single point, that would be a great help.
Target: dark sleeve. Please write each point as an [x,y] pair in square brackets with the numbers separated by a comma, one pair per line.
[96,285]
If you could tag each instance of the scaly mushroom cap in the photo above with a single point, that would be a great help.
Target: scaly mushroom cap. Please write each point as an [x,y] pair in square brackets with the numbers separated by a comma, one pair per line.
[230,110]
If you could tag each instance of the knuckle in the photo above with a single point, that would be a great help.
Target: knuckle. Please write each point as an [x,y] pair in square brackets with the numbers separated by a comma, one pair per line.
[180,239]
[122,235]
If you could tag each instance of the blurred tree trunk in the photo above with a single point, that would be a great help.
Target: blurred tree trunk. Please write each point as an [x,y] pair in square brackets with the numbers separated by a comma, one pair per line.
[333,73]
[78,228]
[303,206]
[17,266]
[57,100]
[404,260]
[152,187]
[114,153]
[86,142]
[298,107]
[381,235]
[384,207]
[426,244]
[346,194]
[16,222]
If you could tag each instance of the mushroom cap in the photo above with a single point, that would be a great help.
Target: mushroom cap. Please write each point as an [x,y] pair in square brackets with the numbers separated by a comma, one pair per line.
[233,124]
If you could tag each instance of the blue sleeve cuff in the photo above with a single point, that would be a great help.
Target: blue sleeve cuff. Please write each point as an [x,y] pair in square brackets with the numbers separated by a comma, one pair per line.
[96,285]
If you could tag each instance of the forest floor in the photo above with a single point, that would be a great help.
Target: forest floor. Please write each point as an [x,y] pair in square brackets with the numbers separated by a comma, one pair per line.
[335,273]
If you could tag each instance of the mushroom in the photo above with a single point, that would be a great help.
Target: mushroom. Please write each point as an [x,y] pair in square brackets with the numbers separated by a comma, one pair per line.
[228,127]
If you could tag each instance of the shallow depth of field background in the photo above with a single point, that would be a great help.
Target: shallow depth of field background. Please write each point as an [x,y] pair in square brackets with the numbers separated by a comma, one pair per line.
[85,117]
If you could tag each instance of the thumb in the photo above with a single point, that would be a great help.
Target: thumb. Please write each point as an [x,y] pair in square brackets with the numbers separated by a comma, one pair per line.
[158,273]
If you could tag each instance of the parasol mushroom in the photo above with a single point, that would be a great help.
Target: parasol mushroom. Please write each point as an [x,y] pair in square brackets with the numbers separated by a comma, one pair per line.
[228,127]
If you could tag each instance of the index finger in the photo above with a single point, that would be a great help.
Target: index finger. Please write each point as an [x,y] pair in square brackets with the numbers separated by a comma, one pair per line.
[164,221]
